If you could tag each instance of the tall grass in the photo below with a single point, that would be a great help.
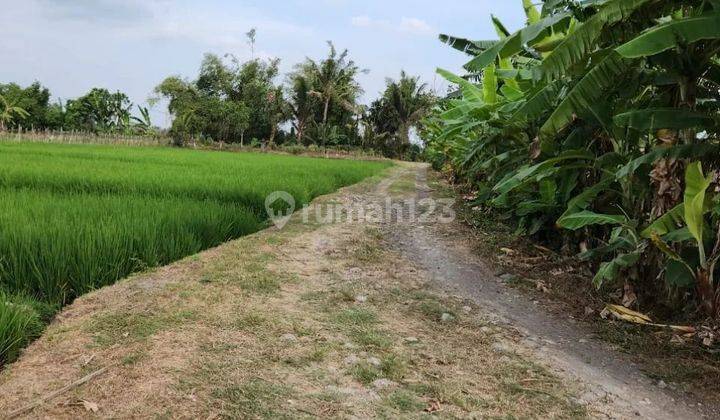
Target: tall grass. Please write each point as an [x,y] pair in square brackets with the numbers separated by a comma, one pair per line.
[21,320]
[75,218]
[56,247]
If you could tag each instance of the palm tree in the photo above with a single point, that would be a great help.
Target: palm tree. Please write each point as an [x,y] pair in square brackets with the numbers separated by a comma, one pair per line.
[9,112]
[402,106]
[334,80]
[409,101]
[301,102]
[277,112]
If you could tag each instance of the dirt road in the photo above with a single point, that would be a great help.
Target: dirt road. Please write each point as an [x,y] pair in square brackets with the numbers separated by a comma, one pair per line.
[326,318]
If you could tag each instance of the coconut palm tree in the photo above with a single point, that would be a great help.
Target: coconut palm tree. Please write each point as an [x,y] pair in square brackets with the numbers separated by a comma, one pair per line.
[333,83]
[333,80]
[409,101]
[401,107]
[9,112]
[277,112]
[301,102]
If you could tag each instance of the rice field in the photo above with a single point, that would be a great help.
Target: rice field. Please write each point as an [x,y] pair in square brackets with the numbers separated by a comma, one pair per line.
[77,217]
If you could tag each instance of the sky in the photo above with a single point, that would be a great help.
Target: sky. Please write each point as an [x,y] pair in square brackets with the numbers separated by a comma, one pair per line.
[71,46]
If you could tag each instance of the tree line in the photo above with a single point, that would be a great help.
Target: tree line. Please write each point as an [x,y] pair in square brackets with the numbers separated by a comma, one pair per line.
[595,128]
[97,111]
[245,102]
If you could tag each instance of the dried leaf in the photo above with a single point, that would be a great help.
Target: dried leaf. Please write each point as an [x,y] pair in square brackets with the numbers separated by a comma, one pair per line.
[625,314]
[707,336]
[667,136]
[542,248]
[540,285]
[583,247]
[535,149]
[629,297]
[678,328]
[90,406]
[676,339]
[628,315]
[433,406]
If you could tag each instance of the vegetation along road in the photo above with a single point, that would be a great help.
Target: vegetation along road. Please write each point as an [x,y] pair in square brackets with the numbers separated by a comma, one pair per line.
[326,319]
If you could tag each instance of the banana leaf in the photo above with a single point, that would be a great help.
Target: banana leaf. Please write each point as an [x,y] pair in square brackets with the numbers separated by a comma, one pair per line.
[469,90]
[672,34]
[609,270]
[584,218]
[696,185]
[465,45]
[657,118]
[586,92]
[584,39]
[515,179]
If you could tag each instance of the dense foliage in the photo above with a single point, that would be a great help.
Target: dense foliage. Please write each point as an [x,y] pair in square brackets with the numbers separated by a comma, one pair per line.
[98,111]
[226,101]
[595,128]
[75,218]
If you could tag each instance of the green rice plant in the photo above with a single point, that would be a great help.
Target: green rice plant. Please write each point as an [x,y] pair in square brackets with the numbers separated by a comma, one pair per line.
[58,246]
[74,218]
[20,321]
[245,178]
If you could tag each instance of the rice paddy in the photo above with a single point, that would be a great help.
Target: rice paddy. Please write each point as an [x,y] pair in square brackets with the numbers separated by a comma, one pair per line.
[77,217]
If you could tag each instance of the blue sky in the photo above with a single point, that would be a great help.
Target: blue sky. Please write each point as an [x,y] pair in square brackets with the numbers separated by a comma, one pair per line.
[131,45]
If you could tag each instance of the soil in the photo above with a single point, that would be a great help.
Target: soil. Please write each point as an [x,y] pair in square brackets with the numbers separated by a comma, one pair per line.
[379,318]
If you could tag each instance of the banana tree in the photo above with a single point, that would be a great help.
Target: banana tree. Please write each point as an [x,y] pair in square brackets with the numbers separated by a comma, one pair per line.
[143,124]
[586,119]
[9,113]
[687,223]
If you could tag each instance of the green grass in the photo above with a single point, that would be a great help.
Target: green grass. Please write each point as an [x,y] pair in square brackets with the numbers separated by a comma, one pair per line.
[404,401]
[356,317]
[255,398]
[391,367]
[20,321]
[74,218]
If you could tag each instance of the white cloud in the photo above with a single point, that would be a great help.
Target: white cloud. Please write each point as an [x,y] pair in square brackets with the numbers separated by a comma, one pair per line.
[362,21]
[407,25]
[415,25]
